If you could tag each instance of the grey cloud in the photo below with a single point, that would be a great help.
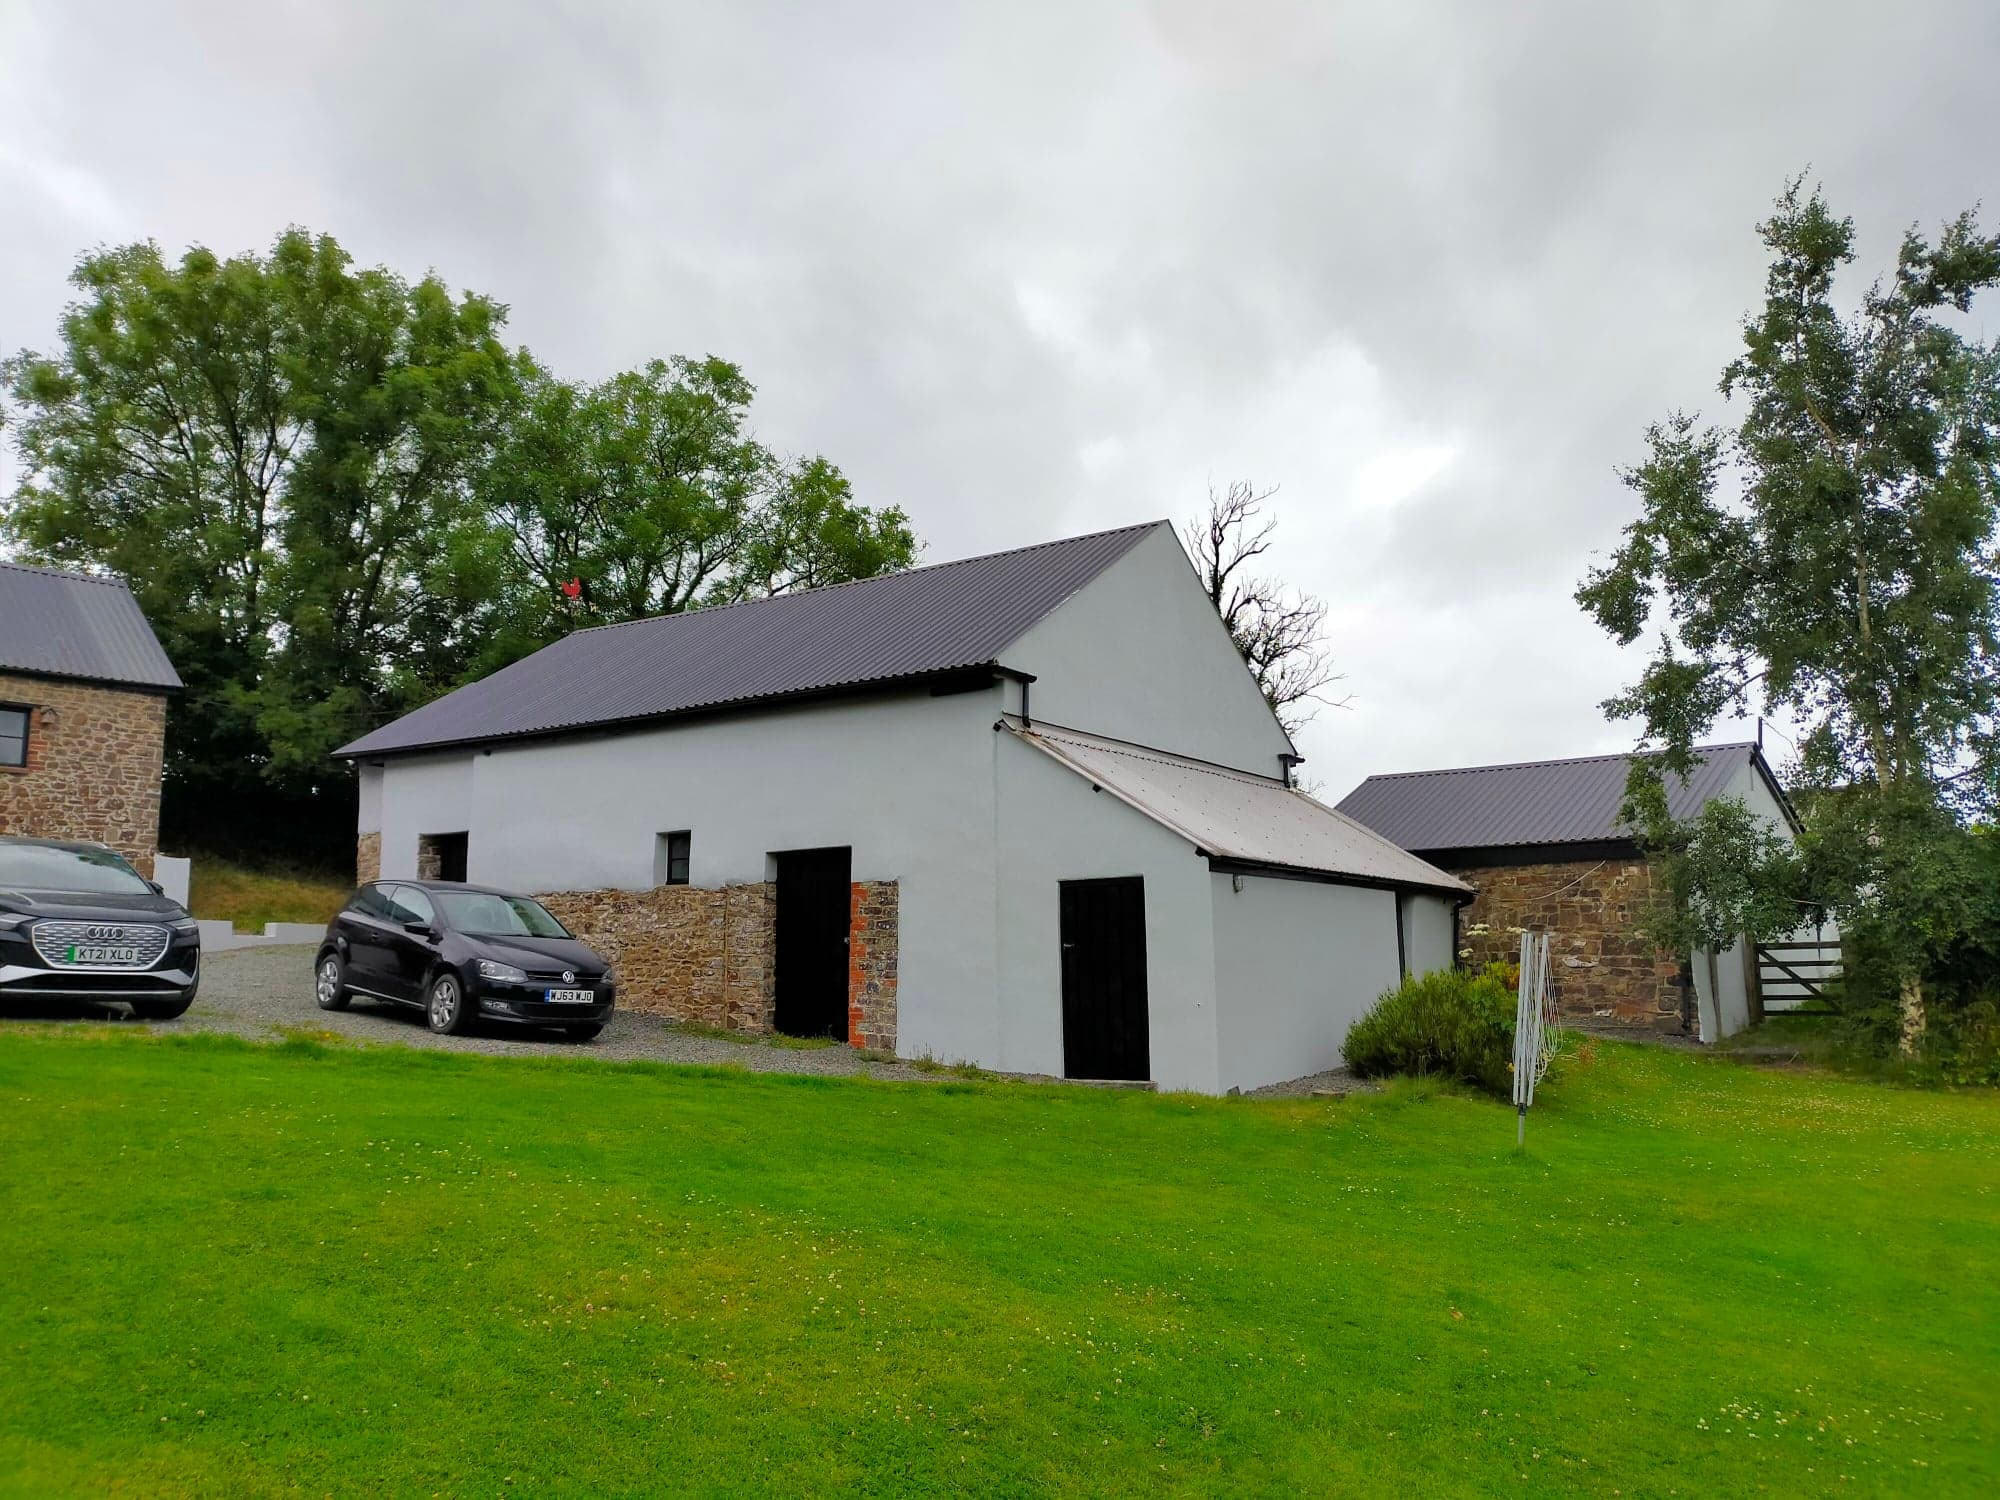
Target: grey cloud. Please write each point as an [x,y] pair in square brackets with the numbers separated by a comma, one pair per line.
[1030,268]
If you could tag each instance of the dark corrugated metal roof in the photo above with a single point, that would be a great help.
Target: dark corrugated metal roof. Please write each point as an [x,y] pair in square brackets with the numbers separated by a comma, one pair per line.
[1535,802]
[59,624]
[928,620]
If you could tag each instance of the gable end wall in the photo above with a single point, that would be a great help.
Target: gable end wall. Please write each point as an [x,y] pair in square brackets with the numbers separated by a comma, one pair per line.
[1139,654]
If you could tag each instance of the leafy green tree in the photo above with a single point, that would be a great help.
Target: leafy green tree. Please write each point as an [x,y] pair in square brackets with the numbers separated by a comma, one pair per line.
[1834,557]
[647,494]
[267,448]
[336,495]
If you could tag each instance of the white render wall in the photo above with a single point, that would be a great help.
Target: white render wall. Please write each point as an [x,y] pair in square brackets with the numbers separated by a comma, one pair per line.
[369,817]
[1297,962]
[905,781]
[1053,827]
[425,794]
[1427,930]
[1140,655]
[977,828]
[1749,787]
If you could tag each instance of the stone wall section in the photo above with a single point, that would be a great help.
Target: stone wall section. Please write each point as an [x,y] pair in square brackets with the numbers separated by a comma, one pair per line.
[367,858]
[871,965]
[1604,967]
[95,755]
[709,957]
[690,954]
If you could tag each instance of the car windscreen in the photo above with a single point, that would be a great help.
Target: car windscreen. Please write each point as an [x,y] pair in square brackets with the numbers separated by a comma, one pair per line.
[45,867]
[483,914]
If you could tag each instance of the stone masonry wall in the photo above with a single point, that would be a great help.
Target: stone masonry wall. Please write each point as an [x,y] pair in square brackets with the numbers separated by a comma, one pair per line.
[367,858]
[709,957]
[871,965]
[1594,910]
[684,952]
[94,761]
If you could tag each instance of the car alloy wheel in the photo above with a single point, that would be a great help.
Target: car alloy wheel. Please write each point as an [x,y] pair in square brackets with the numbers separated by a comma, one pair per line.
[446,1004]
[327,986]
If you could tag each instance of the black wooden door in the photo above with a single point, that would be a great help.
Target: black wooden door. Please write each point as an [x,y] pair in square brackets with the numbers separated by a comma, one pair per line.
[813,905]
[1104,979]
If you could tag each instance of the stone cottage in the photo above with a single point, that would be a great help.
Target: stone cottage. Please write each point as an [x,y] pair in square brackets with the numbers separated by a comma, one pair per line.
[1543,844]
[83,711]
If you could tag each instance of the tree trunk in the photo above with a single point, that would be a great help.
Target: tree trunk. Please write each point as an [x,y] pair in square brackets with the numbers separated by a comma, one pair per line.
[1913,1014]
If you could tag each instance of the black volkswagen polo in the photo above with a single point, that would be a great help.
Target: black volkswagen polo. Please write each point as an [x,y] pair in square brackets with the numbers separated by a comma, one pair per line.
[462,953]
[77,922]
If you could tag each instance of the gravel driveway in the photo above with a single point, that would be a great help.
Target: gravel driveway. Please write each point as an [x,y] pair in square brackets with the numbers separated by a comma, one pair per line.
[253,992]
[257,992]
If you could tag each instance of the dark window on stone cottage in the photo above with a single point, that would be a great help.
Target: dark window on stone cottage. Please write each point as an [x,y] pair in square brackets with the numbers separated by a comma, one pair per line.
[670,858]
[13,736]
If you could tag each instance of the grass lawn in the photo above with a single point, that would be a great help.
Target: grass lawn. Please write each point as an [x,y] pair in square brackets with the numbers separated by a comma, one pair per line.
[236,1270]
[225,892]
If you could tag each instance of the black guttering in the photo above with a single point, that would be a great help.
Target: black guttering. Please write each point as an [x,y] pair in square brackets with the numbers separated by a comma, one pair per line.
[943,680]
[1223,864]
[110,684]
[1488,856]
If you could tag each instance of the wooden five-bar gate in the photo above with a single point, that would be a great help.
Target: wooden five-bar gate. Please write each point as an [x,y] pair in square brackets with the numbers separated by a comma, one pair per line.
[1792,976]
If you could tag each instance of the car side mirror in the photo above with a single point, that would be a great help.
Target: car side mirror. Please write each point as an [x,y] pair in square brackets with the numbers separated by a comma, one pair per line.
[420,929]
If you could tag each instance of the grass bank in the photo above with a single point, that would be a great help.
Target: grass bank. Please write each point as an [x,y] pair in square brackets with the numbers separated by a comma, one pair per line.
[242,1270]
[223,891]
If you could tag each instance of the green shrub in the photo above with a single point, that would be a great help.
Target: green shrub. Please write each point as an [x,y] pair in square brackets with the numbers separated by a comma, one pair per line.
[1446,1024]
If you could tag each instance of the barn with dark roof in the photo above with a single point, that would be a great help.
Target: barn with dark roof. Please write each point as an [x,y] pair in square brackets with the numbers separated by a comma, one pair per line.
[1027,810]
[1545,846]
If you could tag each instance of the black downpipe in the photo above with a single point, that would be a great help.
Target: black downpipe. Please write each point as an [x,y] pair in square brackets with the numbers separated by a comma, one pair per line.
[1402,960]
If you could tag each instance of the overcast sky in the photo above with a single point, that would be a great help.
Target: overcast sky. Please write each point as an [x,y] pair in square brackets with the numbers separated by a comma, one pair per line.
[1031,269]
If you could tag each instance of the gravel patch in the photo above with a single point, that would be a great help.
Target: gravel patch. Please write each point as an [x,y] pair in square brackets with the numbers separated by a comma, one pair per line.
[259,992]
[1331,1084]
[264,992]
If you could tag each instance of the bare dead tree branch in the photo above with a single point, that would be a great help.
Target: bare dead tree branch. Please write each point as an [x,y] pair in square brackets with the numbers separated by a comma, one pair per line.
[1280,632]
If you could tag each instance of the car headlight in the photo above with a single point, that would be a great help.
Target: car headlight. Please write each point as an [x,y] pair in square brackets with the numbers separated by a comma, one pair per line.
[184,928]
[11,920]
[609,976]
[504,973]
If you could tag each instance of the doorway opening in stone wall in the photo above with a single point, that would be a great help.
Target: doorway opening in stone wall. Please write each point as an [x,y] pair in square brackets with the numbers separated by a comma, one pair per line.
[814,894]
[1103,932]
[442,856]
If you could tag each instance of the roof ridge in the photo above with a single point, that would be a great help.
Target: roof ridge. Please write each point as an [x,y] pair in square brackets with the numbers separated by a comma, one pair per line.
[113,581]
[848,583]
[1565,760]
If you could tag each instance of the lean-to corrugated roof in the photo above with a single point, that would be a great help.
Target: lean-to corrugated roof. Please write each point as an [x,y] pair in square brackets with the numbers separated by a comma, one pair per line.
[1233,815]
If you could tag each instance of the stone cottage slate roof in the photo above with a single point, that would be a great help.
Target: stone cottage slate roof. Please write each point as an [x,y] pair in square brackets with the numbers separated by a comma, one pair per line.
[1235,816]
[924,623]
[1533,802]
[77,625]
